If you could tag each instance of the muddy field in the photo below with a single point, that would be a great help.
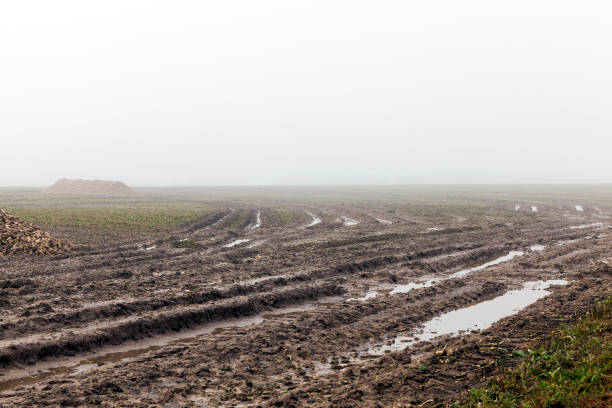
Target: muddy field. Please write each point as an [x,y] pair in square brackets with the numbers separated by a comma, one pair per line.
[320,301]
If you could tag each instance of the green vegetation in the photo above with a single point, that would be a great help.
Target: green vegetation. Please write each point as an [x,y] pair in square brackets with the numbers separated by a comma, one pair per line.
[239,219]
[185,244]
[281,217]
[96,218]
[575,369]
[84,217]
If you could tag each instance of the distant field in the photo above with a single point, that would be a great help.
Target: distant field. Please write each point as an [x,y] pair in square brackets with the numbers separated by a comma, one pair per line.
[162,209]
[84,219]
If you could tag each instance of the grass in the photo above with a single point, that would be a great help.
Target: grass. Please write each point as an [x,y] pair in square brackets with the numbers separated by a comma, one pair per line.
[574,369]
[117,219]
[86,217]
[239,219]
[186,244]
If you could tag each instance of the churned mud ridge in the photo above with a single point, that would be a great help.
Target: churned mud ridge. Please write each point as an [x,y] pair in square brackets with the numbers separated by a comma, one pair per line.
[128,307]
[25,353]
[319,335]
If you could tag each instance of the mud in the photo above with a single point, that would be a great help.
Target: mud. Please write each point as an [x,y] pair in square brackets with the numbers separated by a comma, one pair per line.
[289,322]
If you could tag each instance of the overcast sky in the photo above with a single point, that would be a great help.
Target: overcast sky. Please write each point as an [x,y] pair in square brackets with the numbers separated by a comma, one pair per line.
[250,92]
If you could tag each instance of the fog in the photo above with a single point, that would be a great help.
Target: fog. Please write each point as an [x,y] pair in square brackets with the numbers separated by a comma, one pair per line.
[315,92]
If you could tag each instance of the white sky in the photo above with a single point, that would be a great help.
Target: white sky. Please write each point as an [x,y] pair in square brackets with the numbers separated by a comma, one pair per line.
[312,92]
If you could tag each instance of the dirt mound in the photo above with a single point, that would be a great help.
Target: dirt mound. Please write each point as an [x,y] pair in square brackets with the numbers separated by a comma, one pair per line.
[90,187]
[20,238]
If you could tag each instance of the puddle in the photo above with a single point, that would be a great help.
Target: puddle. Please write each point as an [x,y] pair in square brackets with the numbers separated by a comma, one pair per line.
[505,258]
[257,223]
[569,241]
[262,279]
[292,309]
[593,225]
[537,248]
[434,229]
[108,302]
[411,286]
[349,222]
[150,248]
[579,208]
[370,295]
[380,220]
[256,243]
[478,317]
[534,208]
[517,207]
[397,289]
[236,242]
[315,220]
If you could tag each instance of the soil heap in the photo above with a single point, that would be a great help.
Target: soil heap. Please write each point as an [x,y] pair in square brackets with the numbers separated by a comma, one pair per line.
[90,187]
[20,238]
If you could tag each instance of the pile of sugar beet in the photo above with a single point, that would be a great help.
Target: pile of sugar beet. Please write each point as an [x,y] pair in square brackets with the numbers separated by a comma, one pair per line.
[20,238]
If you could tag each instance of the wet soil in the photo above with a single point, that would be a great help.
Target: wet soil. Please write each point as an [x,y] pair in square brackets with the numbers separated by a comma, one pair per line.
[294,320]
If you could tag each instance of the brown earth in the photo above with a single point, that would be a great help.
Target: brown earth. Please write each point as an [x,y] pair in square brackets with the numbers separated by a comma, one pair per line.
[184,320]
[91,188]
[20,238]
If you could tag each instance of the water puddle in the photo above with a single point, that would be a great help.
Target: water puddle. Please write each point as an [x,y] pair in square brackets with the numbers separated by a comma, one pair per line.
[517,207]
[292,309]
[262,279]
[478,317]
[349,222]
[236,242]
[434,229]
[315,220]
[534,208]
[579,208]
[149,248]
[380,220]
[569,241]
[584,226]
[511,255]
[411,286]
[370,295]
[256,243]
[258,223]
[537,248]
[405,288]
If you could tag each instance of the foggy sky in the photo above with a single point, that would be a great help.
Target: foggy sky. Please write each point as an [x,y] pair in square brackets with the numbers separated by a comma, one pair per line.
[311,92]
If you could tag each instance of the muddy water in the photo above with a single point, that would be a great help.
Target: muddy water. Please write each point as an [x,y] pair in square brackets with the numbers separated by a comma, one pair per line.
[349,222]
[370,295]
[256,243]
[584,226]
[405,288]
[380,220]
[236,242]
[315,220]
[477,317]
[511,255]
[411,286]
[258,223]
